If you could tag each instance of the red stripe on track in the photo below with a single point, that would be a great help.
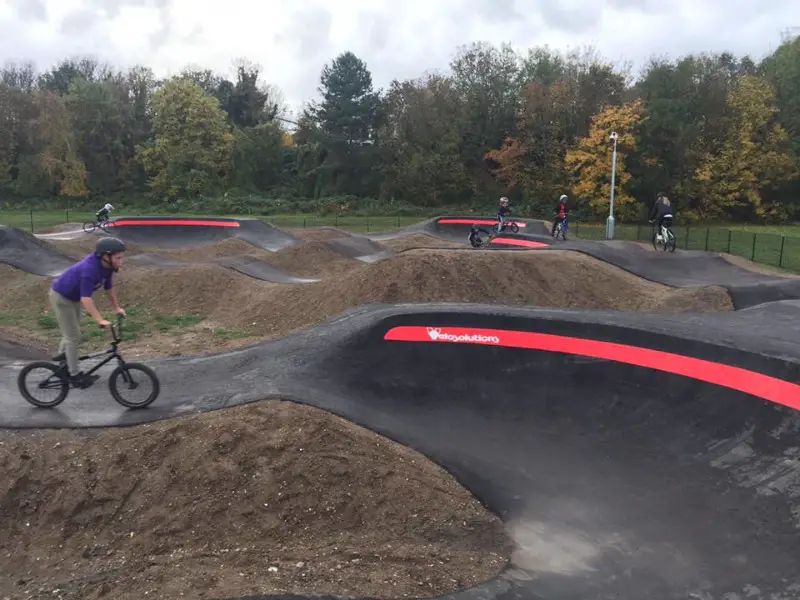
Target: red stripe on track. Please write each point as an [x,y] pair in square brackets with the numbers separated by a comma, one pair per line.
[173,222]
[756,384]
[475,222]
[515,242]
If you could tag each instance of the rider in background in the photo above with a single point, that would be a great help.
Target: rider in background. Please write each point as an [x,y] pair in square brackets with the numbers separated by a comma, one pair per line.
[561,213]
[73,290]
[502,211]
[662,212]
[102,214]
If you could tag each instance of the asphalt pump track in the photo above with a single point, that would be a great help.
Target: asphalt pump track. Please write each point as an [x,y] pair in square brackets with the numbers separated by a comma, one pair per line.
[631,456]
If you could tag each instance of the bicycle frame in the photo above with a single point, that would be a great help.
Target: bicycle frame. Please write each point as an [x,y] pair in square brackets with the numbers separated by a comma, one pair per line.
[113,352]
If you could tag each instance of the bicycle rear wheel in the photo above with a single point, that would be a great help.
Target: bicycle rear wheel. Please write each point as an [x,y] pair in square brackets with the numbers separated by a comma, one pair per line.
[133,377]
[53,378]
[89,227]
[659,244]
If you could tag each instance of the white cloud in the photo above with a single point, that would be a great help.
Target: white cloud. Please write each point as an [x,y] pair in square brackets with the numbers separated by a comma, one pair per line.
[397,39]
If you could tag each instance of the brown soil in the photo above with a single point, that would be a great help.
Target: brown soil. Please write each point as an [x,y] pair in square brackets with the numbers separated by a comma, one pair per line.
[269,498]
[420,240]
[313,259]
[257,309]
[318,234]
[229,247]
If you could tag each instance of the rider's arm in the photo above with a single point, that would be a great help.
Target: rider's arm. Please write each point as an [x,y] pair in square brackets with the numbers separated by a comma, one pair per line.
[112,298]
[87,289]
[88,304]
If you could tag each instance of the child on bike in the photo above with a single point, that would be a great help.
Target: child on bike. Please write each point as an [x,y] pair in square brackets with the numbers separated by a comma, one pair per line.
[561,214]
[73,290]
[502,211]
[102,214]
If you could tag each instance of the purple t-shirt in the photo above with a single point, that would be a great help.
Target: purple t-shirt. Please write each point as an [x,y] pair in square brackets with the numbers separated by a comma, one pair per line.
[83,279]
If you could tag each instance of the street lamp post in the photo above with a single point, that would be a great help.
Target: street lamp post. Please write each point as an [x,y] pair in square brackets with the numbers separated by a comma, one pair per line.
[610,220]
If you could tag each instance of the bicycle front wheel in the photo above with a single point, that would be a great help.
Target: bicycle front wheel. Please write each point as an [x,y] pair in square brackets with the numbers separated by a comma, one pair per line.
[134,385]
[130,379]
[50,382]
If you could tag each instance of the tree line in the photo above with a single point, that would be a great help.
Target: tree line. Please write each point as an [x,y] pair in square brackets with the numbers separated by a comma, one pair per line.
[719,134]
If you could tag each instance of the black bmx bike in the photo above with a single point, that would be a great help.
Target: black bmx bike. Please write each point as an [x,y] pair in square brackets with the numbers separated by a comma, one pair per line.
[99,223]
[126,379]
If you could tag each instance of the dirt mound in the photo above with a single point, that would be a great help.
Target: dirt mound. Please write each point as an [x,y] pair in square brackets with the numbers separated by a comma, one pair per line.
[229,247]
[420,240]
[312,259]
[551,279]
[270,498]
[318,234]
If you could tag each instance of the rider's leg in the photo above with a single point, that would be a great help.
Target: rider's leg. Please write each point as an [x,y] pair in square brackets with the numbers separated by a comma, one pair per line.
[68,315]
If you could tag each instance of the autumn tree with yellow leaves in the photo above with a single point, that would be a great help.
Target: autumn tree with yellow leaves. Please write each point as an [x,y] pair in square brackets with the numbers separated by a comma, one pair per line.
[751,161]
[589,163]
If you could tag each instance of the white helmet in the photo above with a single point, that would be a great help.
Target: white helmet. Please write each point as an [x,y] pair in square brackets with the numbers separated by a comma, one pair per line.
[503,200]
[108,207]
[563,197]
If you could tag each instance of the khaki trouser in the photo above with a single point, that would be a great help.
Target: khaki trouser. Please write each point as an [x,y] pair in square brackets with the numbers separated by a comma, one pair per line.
[68,314]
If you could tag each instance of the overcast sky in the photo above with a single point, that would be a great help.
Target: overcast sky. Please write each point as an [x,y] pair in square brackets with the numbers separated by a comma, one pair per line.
[397,38]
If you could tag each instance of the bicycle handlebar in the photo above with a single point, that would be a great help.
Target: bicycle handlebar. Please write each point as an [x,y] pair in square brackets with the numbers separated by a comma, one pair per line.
[116,332]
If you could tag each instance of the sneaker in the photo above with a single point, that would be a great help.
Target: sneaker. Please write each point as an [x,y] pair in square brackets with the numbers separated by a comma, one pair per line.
[82,381]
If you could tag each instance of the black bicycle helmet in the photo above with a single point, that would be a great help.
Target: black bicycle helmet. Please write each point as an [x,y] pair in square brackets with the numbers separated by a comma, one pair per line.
[109,245]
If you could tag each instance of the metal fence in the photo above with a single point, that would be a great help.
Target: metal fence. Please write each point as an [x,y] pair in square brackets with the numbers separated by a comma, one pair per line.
[765,248]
